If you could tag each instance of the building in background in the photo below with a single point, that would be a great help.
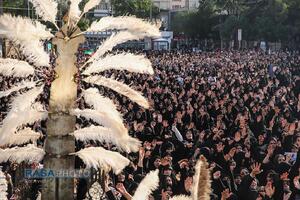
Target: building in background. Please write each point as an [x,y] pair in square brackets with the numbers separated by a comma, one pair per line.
[94,39]
[104,9]
[169,7]
[192,4]
[176,5]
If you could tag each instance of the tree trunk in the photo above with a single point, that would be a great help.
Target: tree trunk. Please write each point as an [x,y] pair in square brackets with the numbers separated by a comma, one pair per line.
[59,144]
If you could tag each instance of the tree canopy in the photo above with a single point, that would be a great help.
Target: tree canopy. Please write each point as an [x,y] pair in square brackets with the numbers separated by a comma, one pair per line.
[270,20]
[139,8]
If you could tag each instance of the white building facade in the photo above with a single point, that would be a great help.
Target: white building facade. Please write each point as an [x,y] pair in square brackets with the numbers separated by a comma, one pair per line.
[176,4]
[103,9]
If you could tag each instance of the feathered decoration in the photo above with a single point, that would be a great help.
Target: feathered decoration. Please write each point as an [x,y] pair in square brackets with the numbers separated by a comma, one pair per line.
[97,157]
[120,88]
[47,9]
[29,154]
[102,104]
[74,11]
[102,119]
[21,113]
[27,34]
[102,134]
[201,181]
[147,186]
[17,87]
[113,41]
[90,4]
[34,52]
[17,119]
[25,100]
[39,197]
[24,136]
[3,186]
[181,197]
[15,68]
[124,61]
[129,23]
[106,114]
[89,114]
[22,29]
[95,133]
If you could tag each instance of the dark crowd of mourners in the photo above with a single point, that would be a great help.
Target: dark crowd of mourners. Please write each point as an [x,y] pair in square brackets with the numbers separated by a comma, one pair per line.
[239,109]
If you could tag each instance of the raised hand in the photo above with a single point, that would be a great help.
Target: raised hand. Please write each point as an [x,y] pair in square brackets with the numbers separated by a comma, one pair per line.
[255,169]
[270,150]
[120,187]
[284,176]
[188,182]
[296,182]
[226,194]
[165,195]
[141,153]
[292,128]
[220,147]
[247,153]
[269,189]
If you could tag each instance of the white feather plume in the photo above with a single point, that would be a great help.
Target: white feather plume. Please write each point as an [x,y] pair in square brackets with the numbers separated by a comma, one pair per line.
[95,133]
[130,144]
[21,113]
[16,68]
[24,136]
[120,88]
[196,180]
[3,186]
[74,11]
[124,61]
[102,134]
[22,29]
[102,104]
[22,85]
[97,157]
[17,119]
[102,119]
[147,186]
[35,53]
[181,197]
[29,154]
[113,41]
[27,34]
[39,197]
[91,4]
[129,23]
[201,188]
[47,9]
[24,101]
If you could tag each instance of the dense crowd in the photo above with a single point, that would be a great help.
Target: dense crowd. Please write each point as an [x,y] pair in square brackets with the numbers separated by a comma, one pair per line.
[240,109]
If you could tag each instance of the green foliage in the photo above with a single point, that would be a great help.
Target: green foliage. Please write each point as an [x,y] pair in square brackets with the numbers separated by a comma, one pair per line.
[139,8]
[270,20]
[17,7]
[195,24]
[229,27]
[84,24]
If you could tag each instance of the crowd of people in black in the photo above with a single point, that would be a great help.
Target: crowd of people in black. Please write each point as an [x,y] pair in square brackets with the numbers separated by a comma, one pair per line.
[239,109]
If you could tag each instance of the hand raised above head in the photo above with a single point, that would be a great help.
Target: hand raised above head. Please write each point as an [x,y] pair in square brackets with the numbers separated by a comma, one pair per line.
[255,169]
